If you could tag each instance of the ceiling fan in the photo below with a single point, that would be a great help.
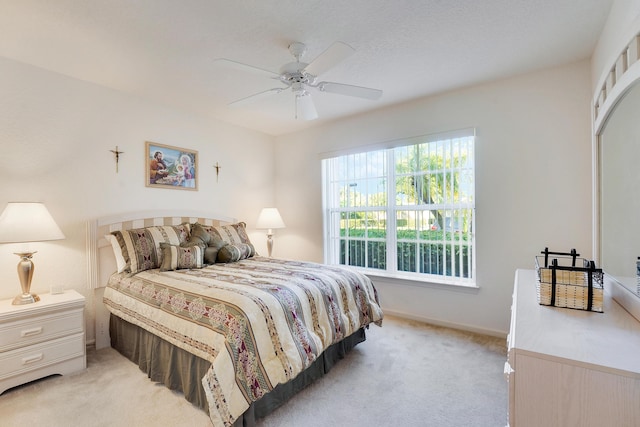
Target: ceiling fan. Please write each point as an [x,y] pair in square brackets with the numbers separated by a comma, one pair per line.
[300,77]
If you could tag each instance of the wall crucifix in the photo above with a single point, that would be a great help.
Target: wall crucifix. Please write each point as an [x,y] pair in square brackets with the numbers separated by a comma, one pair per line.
[117,153]
[217,168]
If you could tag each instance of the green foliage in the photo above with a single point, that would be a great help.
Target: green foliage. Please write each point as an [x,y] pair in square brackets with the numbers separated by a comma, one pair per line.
[434,254]
[413,235]
[428,176]
[375,255]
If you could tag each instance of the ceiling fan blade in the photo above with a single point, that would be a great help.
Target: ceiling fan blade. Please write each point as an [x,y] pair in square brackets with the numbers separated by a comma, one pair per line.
[245,67]
[330,57]
[350,90]
[305,108]
[256,97]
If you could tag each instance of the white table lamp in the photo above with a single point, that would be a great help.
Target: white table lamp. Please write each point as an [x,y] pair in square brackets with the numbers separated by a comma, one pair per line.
[270,218]
[27,222]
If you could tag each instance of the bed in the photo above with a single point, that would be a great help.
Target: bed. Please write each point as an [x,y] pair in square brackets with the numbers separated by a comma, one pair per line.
[192,302]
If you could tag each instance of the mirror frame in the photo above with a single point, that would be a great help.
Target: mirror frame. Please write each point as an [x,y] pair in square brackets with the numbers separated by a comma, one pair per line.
[613,86]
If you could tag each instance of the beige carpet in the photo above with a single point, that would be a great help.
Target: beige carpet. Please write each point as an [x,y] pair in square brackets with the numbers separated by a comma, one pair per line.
[406,374]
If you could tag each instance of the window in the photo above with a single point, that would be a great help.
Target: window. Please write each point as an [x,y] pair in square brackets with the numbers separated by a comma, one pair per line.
[405,211]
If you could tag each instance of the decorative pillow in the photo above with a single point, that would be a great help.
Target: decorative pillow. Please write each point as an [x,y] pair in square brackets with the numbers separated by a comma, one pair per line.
[210,254]
[211,246]
[177,257]
[214,246]
[232,234]
[199,233]
[140,247]
[195,242]
[233,253]
[121,264]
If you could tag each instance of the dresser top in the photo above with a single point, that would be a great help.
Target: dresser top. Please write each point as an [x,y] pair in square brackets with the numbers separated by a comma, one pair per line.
[48,302]
[608,341]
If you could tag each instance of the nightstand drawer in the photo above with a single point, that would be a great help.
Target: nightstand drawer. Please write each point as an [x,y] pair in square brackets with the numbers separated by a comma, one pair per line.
[25,332]
[36,356]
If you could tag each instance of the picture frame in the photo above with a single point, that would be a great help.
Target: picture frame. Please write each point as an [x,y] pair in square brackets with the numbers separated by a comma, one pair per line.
[170,167]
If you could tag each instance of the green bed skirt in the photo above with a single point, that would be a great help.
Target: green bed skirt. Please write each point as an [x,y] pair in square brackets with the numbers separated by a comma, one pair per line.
[180,370]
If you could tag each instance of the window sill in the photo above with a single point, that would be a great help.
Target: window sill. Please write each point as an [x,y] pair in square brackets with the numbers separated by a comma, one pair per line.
[423,282]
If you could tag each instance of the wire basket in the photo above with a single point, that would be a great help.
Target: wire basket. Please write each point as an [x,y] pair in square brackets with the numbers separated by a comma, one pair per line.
[560,283]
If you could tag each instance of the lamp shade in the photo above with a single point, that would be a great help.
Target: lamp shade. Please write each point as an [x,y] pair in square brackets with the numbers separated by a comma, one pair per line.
[270,218]
[28,222]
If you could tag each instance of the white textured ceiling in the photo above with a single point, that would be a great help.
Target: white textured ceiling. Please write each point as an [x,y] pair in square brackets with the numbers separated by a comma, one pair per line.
[164,50]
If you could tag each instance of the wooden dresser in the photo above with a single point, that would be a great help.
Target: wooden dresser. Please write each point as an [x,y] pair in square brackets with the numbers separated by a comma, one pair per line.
[570,367]
[41,339]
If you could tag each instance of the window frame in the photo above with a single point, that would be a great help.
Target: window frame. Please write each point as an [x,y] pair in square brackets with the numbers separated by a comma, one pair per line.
[332,255]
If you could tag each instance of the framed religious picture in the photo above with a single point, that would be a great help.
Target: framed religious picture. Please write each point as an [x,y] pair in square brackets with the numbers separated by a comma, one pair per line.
[171,167]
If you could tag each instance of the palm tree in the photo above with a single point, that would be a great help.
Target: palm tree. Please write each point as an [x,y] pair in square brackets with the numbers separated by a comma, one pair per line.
[432,177]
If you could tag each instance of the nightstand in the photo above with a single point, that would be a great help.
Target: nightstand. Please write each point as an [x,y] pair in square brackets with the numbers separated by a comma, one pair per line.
[41,339]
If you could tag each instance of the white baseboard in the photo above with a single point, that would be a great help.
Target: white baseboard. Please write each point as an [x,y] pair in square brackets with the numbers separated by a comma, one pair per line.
[446,324]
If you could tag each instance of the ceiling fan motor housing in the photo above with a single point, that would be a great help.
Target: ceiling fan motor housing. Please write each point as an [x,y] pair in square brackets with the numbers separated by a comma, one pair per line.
[297,49]
[293,72]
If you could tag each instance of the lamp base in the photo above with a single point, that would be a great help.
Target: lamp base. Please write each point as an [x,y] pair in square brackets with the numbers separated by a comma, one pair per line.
[269,242]
[25,273]
[25,299]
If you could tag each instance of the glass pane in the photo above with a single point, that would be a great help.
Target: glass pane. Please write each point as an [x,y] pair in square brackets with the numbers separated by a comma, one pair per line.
[376,225]
[359,190]
[356,224]
[423,222]
[376,164]
[344,224]
[357,255]
[461,221]
[435,184]
[377,192]
[431,257]
[405,191]
[436,224]
[407,256]
[339,168]
[377,257]
[406,225]
[343,190]
[402,160]
[460,260]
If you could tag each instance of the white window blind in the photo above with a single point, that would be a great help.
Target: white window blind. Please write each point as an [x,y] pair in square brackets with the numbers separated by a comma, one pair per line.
[406,210]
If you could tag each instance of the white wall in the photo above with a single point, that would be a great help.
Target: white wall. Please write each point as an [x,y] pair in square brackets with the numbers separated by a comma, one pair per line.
[56,133]
[533,184]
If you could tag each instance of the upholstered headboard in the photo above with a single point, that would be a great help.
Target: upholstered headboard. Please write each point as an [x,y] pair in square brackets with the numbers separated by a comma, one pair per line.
[101,261]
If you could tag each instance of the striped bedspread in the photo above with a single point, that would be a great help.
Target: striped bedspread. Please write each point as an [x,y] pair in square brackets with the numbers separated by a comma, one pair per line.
[260,321]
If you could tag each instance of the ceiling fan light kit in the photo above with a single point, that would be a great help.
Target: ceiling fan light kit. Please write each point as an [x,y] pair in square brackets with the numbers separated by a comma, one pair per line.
[301,76]
[305,108]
